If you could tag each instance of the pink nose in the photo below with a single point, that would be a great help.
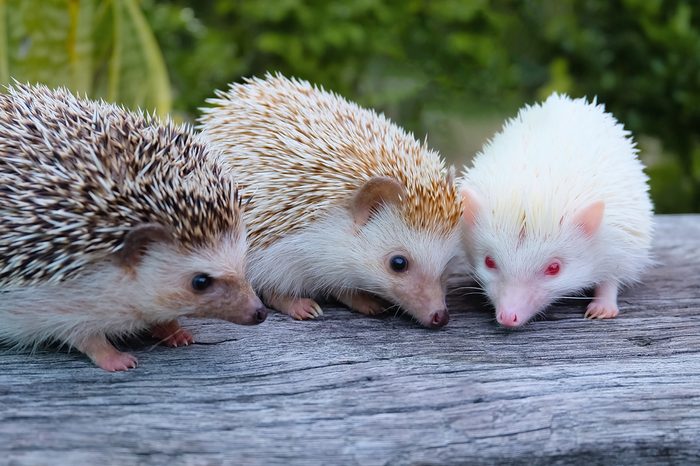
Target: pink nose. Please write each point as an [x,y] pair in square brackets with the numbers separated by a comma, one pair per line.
[507,319]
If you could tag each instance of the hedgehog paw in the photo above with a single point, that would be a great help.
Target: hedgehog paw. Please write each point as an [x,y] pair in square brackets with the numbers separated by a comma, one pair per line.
[171,334]
[297,308]
[598,310]
[604,304]
[304,308]
[363,303]
[106,356]
[117,362]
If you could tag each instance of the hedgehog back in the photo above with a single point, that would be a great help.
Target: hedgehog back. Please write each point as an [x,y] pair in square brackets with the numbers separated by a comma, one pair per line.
[303,151]
[77,175]
[555,158]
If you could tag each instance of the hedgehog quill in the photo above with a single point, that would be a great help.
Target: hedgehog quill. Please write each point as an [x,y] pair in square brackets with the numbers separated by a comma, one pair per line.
[347,204]
[555,203]
[112,223]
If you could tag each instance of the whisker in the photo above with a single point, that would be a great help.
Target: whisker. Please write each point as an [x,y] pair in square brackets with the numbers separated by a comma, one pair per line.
[467,288]
[397,309]
[472,293]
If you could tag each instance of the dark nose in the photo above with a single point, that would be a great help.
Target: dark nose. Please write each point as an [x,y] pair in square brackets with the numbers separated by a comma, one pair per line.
[439,318]
[260,314]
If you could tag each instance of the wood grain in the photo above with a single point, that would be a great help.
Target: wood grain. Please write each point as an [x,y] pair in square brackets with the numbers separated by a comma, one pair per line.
[348,389]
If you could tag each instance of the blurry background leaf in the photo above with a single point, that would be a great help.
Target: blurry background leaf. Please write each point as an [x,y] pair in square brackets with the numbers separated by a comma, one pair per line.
[104,49]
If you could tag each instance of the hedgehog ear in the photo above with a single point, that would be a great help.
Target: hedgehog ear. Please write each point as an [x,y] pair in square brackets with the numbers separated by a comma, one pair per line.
[470,206]
[590,217]
[138,239]
[378,191]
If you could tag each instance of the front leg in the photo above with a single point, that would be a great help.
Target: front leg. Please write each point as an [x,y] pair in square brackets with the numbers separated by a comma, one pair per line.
[362,302]
[604,304]
[171,334]
[298,308]
[105,355]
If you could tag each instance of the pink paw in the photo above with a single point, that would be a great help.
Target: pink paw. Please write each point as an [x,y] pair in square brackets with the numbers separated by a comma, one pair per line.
[363,303]
[304,308]
[598,310]
[181,338]
[171,334]
[116,361]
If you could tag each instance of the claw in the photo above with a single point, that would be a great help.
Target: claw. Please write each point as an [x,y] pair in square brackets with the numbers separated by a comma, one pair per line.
[304,308]
[171,334]
[601,311]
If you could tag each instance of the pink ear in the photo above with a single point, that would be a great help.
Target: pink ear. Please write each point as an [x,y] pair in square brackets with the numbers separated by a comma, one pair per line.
[380,190]
[138,239]
[470,206]
[590,217]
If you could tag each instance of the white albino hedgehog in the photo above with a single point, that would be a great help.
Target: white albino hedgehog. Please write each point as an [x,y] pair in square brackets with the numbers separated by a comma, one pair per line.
[345,203]
[112,223]
[555,203]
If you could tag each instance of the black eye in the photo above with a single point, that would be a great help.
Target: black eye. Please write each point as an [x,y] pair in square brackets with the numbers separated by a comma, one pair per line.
[398,263]
[201,282]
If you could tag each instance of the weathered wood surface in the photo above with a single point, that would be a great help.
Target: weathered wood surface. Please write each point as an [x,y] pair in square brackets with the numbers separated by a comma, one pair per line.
[347,389]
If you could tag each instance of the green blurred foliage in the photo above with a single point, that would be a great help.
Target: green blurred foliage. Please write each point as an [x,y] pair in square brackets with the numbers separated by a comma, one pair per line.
[426,63]
[401,56]
[639,57]
[452,69]
[104,49]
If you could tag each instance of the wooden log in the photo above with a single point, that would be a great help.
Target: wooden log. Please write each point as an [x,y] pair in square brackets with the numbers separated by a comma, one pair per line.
[348,389]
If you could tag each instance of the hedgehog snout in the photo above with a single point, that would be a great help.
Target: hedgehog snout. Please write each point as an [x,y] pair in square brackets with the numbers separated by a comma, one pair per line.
[233,299]
[247,315]
[245,307]
[260,314]
[439,318]
[509,318]
[424,301]
[517,304]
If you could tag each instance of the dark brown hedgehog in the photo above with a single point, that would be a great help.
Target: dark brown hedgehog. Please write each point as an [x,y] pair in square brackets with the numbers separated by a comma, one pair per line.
[112,222]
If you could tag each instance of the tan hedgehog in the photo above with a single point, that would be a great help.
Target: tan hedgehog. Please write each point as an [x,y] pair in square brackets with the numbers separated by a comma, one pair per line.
[345,205]
[112,223]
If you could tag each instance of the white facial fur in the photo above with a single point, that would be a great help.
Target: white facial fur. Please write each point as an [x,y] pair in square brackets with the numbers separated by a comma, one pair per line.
[335,255]
[111,300]
[519,284]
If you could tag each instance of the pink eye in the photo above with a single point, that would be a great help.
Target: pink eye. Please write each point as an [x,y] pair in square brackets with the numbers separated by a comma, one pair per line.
[553,268]
[489,262]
